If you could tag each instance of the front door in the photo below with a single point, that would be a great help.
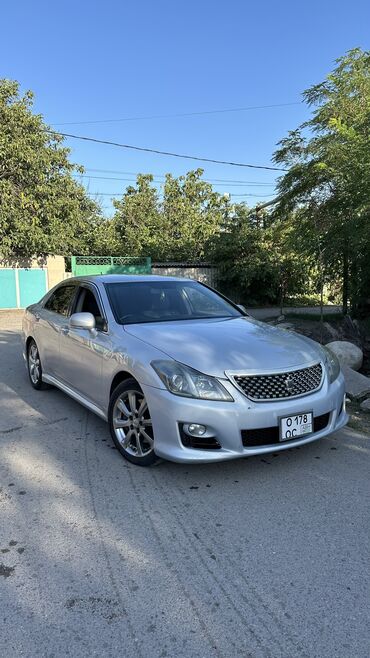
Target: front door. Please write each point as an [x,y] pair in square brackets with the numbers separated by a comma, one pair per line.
[48,326]
[82,352]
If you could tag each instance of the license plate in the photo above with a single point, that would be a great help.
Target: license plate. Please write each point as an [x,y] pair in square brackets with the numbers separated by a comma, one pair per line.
[291,427]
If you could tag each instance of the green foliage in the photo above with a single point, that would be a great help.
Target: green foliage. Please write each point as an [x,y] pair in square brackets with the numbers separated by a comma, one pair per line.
[257,264]
[243,259]
[177,227]
[42,208]
[256,257]
[319,232]
[193,215]
[137,221]
[328,182]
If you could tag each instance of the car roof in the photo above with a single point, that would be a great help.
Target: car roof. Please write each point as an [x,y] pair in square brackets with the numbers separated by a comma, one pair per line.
[125,278]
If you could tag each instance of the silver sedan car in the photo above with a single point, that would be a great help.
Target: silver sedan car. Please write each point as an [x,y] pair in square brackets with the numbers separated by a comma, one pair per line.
[179,371]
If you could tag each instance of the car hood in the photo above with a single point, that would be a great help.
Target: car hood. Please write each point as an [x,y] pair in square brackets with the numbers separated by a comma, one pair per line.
[238,344]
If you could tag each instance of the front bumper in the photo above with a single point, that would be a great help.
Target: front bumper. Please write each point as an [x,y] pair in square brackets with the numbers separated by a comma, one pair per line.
[226,420]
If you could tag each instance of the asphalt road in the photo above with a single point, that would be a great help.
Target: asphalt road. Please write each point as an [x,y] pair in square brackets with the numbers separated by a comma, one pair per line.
[254,558]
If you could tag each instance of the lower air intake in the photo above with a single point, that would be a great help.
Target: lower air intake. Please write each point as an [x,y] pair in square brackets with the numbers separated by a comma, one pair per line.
[266,436]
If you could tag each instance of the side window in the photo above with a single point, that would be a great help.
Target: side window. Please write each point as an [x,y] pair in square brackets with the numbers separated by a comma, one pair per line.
[60,300]
[87,303]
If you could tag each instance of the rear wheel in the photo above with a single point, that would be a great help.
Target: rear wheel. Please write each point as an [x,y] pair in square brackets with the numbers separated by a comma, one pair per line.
[34,366]
[130,423]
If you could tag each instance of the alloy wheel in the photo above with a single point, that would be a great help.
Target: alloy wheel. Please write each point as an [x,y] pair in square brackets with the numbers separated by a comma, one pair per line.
[34,364]
[132,424]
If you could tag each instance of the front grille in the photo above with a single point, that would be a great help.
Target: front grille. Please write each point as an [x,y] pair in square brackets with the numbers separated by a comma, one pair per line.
[265,436]
[282,385]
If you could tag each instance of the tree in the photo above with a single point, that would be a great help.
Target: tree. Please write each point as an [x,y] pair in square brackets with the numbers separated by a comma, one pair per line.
[328,179]
[296,273]
[257,261]
[178,227]
[193,215]
[243,254]
[137,220]
[43,210]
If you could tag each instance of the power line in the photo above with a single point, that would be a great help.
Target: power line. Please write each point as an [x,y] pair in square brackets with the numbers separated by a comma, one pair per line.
[169,153]
[256,195]
[129,180]
[182,114]
[114,194]
[114,171]
[209,180]
[133,180]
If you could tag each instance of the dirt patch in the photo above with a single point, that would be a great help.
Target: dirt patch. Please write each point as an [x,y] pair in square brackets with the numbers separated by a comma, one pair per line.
[11,319]
[336,328]
[358,419]
[340,328]
[6,571]
[105,607]
[333,328]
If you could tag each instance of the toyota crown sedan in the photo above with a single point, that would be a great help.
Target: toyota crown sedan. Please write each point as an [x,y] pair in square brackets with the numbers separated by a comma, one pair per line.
[179,371]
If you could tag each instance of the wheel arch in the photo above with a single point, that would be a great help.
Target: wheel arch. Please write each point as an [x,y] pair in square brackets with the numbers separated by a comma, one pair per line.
[120,377]
[28,341]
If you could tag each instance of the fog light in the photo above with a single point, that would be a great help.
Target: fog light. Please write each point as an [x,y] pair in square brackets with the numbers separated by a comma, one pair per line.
[194,429]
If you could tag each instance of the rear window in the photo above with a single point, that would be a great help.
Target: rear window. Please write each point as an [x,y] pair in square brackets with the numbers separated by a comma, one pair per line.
[163,301]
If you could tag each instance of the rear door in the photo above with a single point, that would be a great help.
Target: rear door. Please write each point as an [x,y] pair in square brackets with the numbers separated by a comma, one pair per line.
[48,326]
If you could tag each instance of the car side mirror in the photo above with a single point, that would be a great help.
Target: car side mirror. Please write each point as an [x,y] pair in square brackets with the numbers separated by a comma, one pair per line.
[82,321]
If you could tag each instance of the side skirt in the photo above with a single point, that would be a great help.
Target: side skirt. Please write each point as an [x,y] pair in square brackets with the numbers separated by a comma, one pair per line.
[49,379]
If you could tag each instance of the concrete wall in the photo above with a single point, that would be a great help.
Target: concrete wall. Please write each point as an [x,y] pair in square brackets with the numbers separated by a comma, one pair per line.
[24,281]
[54,265]
[27,263]
[56,270]
[267,312]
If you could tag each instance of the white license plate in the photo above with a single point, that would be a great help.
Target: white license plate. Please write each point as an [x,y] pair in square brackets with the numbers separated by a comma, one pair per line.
[291,427]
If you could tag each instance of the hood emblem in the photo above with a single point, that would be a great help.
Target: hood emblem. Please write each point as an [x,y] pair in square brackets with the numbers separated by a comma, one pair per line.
[289,384]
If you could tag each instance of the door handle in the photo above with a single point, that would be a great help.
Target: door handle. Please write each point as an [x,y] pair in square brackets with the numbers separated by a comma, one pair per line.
[64,330]
[37,317]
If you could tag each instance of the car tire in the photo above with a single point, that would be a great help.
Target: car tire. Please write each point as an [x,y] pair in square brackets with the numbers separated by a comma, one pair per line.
[34,367]
[130,424]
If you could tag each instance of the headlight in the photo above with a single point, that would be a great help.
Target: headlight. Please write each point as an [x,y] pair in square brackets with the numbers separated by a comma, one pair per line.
[186,382]
[332,364]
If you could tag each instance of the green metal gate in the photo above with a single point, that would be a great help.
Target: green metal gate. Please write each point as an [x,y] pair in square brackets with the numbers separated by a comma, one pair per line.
[83,265]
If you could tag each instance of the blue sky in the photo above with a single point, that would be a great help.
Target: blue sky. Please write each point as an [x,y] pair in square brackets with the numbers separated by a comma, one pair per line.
[91,61]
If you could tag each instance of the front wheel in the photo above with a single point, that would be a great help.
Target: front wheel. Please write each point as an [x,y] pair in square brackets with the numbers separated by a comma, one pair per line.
[130,424]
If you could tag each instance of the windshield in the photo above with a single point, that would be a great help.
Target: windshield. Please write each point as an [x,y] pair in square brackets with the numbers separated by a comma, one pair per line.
[164,301]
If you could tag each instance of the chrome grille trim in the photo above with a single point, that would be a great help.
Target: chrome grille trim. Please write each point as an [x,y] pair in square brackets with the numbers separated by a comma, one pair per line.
[267,387]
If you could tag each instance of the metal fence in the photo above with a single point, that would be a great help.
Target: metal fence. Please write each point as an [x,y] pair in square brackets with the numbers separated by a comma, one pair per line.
[204,272]
[83,265]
